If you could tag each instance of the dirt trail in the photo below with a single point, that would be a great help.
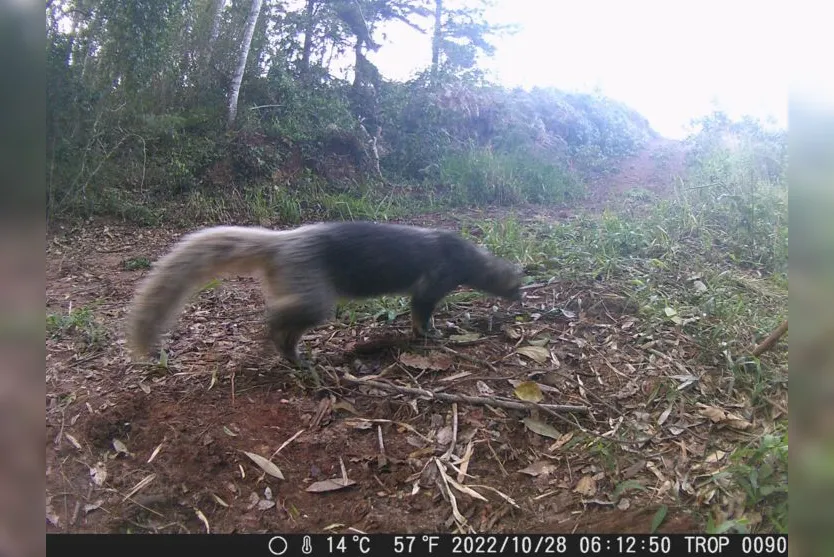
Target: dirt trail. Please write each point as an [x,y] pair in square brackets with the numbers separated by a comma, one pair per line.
[654,170]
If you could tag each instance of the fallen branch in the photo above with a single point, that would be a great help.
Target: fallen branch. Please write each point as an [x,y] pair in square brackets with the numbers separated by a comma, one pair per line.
[771,339]
[468,399]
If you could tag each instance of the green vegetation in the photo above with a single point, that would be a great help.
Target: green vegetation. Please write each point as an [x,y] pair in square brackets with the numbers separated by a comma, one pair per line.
[144,137]
[78,324]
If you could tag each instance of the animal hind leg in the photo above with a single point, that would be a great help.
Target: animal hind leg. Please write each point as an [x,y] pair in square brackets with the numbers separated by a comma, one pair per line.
[289,317]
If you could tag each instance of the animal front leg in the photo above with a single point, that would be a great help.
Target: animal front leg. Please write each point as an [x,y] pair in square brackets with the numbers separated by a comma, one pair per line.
[424,300]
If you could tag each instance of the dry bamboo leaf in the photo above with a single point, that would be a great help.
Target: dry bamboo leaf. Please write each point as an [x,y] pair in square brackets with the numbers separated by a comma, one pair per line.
[219,500]
[453,502]
[528,391]
[265,464]
[464,461]
[334,484]
[664,415]
[505,497]
[540,468]
[464,489]
[154,453]
[203,519]
[73,440]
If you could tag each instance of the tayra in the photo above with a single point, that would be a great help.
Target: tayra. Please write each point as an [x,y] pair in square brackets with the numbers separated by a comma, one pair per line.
[307,269]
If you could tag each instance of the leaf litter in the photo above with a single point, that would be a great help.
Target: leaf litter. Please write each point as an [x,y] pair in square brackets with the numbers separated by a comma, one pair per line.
[599,366]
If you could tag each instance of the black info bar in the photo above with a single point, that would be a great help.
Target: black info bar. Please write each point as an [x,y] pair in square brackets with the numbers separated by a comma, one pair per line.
[422,545]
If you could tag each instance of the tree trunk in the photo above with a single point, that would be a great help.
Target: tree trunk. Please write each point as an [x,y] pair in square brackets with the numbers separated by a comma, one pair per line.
[308,36]
[251,22]
[436,40]
[358,66]
[217,11]
[215,21]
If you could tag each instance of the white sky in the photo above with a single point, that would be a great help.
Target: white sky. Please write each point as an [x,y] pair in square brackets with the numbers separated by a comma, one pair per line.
[670,60]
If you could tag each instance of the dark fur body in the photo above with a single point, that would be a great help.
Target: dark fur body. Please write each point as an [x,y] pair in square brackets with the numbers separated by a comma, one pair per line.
[307,269]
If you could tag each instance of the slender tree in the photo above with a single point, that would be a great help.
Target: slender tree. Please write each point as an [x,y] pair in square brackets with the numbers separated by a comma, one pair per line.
[309,26]
[437,39]
[237,79]
[461,33]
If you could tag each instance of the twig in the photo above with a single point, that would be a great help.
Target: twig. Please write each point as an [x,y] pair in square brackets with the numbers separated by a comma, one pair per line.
[771,339]
[451,448]
[469,358]
[447,397]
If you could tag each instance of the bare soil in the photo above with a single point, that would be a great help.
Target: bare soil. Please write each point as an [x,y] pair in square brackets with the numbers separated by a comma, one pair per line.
[144,448]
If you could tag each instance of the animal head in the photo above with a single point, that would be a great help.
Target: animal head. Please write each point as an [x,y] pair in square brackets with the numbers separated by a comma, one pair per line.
[500,278]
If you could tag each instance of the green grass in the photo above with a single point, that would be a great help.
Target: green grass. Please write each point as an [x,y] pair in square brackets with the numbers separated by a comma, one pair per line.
[136,263]
[705,263]
[79,324]
[481,176]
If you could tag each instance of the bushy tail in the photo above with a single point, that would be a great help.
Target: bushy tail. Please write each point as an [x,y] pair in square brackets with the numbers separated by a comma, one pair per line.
[197,258]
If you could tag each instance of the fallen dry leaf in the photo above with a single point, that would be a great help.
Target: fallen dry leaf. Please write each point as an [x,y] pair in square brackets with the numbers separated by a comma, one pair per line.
[529,391]
[73,440]
[560,442]
[203,519]
[712,458]
[51,515]
[266,465]
[330,485]
[540,468]
[538,354]
[541,428]
[586,486]
[715,414]
[468,337]
[120,447]
[99,473]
